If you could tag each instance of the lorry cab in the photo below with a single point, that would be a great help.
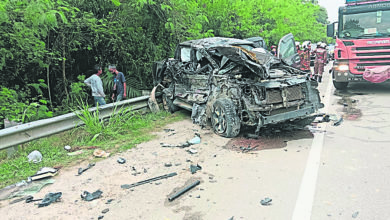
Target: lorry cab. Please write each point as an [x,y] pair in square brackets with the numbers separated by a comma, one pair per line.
[362,50]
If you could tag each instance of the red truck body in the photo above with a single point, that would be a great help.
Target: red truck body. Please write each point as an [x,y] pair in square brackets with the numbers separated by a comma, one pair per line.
[362,51]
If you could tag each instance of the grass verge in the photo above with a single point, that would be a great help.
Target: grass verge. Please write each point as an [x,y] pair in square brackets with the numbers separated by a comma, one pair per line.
[120,132]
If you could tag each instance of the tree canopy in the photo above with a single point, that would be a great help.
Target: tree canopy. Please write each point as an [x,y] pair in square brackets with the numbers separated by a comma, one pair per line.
[53,42]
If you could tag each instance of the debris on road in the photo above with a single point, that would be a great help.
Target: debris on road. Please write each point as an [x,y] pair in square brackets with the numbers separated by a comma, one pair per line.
[168,164]
[101,217]
[121,160]
[35,157]
[105,211]
[30,188]
[195,140]
[31,199]
[192,151]
[337,123]
[44,172]
[266,201]
[321,118]
[109,201]
[87,196]
[49,199]
[169,130]
[355,214]
[128,186]
[100,153]
[194,168]
[81,170]
[182,191]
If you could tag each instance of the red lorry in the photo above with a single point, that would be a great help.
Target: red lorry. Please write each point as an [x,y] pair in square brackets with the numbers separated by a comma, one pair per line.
[362,50]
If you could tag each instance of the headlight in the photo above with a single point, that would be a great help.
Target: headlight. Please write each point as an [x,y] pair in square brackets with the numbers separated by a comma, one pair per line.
[343,67]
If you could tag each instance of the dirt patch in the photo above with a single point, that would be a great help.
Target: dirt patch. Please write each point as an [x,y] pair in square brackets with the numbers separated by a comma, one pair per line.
[268,140]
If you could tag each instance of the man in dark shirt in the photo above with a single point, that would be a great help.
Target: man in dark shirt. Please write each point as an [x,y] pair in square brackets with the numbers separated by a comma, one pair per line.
[119,83]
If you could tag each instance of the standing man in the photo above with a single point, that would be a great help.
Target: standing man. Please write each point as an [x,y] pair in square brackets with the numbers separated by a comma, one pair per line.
[320,61]
[305,57]
[119,84]
[96,85]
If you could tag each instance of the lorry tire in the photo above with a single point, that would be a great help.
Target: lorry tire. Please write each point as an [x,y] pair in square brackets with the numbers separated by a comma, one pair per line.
[168,104]
[224,119]
[340,85]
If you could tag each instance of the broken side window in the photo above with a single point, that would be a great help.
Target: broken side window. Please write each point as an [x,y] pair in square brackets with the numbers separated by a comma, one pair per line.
[185,54]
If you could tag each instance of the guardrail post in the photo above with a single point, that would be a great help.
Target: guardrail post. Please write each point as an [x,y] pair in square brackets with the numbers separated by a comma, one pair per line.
[12,150]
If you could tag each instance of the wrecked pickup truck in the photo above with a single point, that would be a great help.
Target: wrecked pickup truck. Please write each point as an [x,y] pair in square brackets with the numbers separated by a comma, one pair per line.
[234,83]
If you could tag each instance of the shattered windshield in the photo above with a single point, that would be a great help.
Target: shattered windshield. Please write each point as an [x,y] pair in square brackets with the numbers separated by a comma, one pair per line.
[366,25]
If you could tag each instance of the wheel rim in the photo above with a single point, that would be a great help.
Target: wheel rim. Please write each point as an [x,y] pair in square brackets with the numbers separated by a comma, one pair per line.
[219,118]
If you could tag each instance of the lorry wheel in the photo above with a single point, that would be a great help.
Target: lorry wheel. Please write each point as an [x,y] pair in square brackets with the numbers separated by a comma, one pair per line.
[340,85]
[168,104]
[224,118]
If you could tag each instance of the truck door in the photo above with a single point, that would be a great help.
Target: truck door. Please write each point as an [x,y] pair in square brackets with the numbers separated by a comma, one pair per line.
[288,52]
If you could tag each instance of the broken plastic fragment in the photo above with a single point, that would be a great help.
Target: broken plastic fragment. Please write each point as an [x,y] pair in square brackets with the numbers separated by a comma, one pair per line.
[49,199]
[35,157]
[266,201]
[81,170]
[337,123]
[105,211]
[192,151]
[194,168]
[195,140]
[354,215]
[121,160]
[91,196]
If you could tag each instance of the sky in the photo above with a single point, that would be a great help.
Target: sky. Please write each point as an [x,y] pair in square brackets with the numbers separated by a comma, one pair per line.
[332,6]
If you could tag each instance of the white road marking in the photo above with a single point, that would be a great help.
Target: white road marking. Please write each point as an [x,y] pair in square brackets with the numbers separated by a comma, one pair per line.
[304,204]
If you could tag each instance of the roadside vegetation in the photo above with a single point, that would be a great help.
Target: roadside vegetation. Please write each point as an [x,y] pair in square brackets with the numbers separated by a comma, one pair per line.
[118,133]
[48,46]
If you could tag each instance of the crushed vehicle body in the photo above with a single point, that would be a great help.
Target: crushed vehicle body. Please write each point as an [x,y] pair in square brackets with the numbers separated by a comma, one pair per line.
[234,83]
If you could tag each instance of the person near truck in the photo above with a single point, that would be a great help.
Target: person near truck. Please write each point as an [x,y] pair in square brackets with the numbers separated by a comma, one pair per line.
[319,63]
[119,89]
[96,85]
[305,57]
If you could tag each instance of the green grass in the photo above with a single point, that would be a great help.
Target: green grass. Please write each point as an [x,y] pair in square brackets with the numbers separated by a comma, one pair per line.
[120,132]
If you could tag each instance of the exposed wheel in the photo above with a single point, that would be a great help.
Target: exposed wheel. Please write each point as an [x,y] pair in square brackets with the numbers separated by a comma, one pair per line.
[168,104]
[340,85]
[224,119]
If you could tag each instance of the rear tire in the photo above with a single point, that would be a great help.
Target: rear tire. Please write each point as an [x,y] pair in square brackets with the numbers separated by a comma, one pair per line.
[340,85]
[168,104]
[224,118]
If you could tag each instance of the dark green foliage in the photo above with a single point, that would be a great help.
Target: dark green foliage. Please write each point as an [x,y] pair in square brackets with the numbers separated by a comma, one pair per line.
[60,40]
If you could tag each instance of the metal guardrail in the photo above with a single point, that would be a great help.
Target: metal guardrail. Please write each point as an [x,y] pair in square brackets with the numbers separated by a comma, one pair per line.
[30,131]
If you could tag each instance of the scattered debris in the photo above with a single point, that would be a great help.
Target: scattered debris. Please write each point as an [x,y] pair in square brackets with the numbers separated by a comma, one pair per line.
[44,172]
[30,188]
[145,170]
[192,151]
[198,196]
[31,199]
[337,123]
[109,201]
[354,215]
[100,153]
[50,198]
[121,160]
[195,140]
[177,164]
[74,153]
[81,170]
[266,201]
[101,217]
[169,130]
[168,164]
[91,196]
[247,149]
[194,168]
[67,148]
[322,118]
[128,186]
[232,218]
[35,157]
[182,191]
[181,145]
[105,211]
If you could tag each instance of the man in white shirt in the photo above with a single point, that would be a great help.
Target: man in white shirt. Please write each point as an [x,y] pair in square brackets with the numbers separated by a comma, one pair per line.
[96,85]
